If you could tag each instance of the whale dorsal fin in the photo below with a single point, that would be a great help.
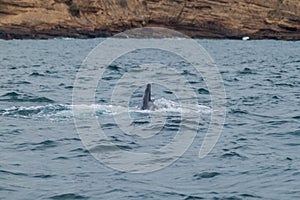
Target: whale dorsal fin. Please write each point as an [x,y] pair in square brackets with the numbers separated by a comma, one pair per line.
[147,97]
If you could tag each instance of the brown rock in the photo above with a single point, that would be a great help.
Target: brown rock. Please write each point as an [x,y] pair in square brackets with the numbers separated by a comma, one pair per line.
[258,19]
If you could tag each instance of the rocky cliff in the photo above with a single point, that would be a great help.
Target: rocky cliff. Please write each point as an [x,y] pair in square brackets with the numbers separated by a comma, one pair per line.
[276,19]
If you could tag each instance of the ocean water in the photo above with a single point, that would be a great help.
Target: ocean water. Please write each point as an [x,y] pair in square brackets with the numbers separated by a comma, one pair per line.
[43,156]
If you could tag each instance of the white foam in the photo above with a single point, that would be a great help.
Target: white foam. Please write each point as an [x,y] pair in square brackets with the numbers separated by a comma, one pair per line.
[60,111]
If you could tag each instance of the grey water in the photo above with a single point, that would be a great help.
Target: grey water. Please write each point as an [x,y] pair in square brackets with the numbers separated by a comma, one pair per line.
[257,156]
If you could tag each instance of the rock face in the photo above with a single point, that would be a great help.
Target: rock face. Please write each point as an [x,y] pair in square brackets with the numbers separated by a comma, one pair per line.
[258,19]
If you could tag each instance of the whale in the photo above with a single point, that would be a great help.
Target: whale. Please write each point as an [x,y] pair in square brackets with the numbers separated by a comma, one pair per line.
[147,101]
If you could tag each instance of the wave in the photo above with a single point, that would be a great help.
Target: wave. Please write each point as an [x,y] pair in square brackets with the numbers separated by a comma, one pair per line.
[35,111]
[62,111]
[17,97]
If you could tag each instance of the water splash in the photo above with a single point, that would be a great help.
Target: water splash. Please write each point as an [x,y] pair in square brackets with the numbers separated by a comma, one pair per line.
[64,112]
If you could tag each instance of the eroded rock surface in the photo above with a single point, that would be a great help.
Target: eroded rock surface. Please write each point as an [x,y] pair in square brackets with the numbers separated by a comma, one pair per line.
[270,19]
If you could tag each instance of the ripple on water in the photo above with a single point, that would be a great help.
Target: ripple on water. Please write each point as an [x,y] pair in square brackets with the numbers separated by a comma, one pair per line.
[40,146]
[227,198]
[67,196]
[44,145]
[43,176]
[2,188]
[250,196]
[18,97]
[192,197]
[246,71]
[7,172]
[36,74]
[232,154]
[9,132]
[294,133]
[203,91]
[19,82]
[205,175]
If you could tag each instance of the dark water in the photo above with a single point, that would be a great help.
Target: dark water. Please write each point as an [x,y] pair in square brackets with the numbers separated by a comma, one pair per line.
[257,156]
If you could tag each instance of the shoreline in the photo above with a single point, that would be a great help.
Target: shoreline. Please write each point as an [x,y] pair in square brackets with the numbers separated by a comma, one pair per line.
[106,34]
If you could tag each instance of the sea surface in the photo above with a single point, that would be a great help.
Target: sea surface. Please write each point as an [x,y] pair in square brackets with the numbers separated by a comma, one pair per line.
[42,155]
